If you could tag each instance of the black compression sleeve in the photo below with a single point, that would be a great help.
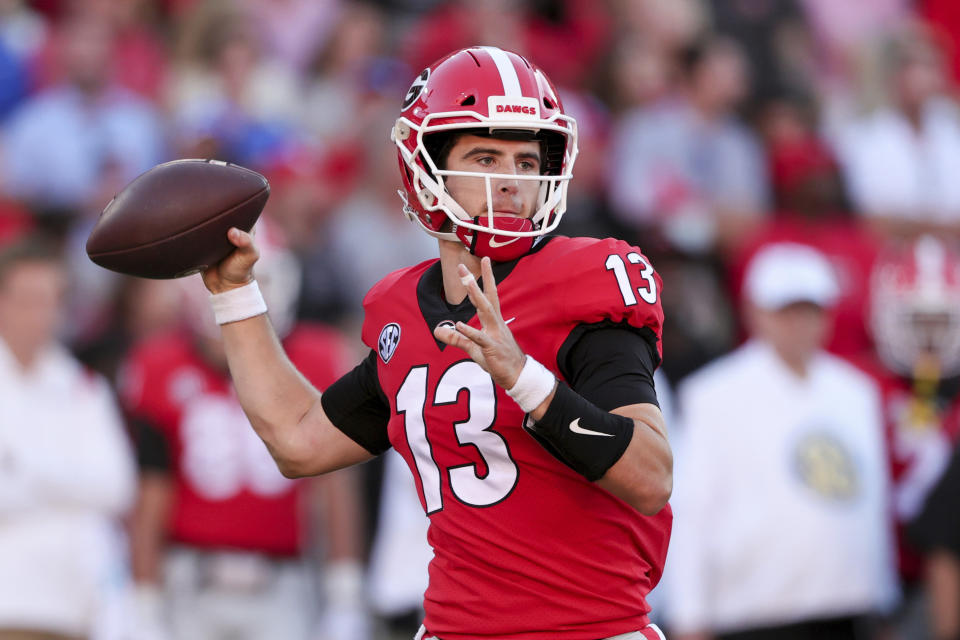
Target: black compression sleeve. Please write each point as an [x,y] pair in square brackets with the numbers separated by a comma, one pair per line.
[357,406]
[607,366]
[610,365]
[586,438]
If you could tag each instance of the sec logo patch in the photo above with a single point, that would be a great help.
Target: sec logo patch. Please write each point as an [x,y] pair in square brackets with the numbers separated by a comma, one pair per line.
[387,343]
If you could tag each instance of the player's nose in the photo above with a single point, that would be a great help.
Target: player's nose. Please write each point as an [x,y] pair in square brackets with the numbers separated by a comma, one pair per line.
[507,185]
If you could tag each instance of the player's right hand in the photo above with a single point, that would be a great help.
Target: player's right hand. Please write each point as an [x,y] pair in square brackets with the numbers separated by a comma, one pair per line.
[492,346]
[236,269]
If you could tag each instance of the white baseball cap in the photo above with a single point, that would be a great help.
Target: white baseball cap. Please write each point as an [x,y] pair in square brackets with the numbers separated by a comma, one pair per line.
[784,273]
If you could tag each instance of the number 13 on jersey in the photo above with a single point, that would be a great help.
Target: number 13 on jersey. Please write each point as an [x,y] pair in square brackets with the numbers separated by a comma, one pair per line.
[467,483]
[616,264]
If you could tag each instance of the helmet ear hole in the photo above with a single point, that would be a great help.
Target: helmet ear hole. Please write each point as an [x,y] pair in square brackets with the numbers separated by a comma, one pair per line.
[548,103]
[468,101]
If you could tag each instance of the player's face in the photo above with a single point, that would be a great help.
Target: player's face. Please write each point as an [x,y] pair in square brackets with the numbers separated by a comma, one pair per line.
[491,155]
[931,330]
[30,301]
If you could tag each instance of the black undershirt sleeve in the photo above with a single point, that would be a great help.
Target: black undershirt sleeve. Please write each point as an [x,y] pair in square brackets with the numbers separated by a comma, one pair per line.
[610,365]
[152,447]
[356,405]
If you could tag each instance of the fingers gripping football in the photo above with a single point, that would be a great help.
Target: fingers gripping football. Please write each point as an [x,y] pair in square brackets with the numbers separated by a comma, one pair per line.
[492,346]
[236,269]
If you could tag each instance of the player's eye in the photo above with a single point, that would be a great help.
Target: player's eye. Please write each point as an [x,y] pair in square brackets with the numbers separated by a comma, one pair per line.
[527,166]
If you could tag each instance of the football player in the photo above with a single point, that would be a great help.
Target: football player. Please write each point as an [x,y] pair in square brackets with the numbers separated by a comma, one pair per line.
[915,320]
[514,374]
[218,533]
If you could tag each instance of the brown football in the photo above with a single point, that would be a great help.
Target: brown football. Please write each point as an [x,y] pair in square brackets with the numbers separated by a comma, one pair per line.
[173,220]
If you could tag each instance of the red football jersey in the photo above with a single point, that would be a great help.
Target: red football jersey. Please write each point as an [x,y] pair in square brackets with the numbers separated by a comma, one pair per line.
[524,547]
[921,436]
[228,491]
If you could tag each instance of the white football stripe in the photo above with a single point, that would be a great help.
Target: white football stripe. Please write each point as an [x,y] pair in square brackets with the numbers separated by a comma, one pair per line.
[508,75]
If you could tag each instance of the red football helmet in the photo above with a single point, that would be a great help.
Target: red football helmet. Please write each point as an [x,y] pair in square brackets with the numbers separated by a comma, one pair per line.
[492,92]
[915,308]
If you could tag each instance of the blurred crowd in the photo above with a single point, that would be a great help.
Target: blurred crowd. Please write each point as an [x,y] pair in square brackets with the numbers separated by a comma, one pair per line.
[712,133]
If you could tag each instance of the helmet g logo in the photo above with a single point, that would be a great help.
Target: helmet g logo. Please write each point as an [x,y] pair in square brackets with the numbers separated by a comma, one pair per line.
[415,89]
[387,343]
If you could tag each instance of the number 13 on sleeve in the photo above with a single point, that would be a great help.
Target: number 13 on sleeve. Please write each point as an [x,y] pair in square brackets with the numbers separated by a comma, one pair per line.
[616,264]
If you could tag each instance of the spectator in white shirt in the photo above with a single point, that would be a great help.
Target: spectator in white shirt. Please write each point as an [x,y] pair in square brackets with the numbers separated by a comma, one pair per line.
[781,527]
[66,471]
[901,160]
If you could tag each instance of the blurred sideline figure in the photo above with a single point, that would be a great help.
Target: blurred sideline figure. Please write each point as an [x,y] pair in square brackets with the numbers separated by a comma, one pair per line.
[221,540]
[66,470]
[690,167]
[782,529]
[72,146]
[810,207]
[900,159]
[937,530]
[915,318]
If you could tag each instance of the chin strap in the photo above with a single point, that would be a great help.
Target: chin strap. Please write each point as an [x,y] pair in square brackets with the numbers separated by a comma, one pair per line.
[497,247]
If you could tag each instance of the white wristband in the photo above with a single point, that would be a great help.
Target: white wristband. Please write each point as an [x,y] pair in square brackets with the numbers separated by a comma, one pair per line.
[238,304]
[533,385]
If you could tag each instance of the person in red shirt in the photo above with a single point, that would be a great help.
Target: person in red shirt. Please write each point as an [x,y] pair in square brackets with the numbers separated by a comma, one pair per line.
[219,537]
[524,407]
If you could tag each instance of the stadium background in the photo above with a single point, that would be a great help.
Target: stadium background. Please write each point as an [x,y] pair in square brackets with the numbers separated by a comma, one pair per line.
[708,128]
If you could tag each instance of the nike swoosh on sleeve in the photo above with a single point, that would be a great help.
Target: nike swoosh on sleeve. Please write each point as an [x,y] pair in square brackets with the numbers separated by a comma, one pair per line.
[576,428]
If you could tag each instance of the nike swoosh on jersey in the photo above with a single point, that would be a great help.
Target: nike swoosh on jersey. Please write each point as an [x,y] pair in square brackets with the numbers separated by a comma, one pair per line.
[576,428]
[510,320]
[495,245]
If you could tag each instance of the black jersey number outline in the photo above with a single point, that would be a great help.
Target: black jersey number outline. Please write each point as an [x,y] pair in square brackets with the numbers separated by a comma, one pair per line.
[465,481]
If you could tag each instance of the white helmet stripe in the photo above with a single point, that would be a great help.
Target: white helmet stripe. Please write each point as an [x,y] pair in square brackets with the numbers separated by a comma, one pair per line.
[508,75]
[930,257]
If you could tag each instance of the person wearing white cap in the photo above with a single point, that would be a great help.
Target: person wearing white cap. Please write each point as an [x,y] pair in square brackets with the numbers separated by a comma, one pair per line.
[782,527]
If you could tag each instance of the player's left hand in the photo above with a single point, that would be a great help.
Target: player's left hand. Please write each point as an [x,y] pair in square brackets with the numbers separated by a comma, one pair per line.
[492,346]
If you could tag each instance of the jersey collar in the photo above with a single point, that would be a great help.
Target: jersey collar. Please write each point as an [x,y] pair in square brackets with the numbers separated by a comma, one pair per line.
[434,306]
